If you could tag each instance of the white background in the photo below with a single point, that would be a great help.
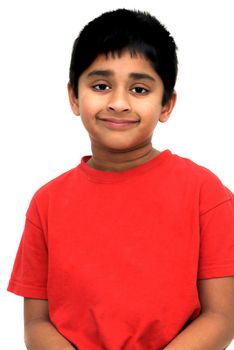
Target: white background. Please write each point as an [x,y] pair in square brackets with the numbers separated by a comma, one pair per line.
[39,136]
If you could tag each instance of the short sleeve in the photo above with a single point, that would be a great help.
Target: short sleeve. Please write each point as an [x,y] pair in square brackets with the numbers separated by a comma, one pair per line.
[29,275]
[216,231]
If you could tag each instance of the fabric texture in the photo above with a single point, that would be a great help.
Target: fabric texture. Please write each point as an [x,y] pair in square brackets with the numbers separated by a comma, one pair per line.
[118,255]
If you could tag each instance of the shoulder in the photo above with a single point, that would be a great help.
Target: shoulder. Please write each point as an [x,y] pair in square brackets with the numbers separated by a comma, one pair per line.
[52,191]
[57,184]
[208,185]
[200,172]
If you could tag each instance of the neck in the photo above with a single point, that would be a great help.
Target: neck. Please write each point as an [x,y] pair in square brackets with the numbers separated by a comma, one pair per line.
[117,160]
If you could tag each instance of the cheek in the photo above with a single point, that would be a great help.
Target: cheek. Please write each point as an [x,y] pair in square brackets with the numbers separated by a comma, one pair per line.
[90,105]
[150,110]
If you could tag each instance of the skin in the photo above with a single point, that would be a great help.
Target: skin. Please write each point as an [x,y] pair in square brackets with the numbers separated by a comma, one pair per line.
[214,328]
[120,105]
[39,332]
[123,89]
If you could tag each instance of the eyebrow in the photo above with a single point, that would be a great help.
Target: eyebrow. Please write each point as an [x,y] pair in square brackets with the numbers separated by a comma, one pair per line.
[141,76]
[109,73]
[100,73]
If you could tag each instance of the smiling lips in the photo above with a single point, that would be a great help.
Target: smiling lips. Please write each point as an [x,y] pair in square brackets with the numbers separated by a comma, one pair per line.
[118,123]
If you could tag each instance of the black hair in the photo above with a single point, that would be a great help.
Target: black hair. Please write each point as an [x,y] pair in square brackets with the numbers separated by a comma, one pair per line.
[138,32]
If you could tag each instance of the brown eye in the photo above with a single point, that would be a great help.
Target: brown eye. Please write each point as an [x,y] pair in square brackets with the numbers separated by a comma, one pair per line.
[101,87]
[140,90]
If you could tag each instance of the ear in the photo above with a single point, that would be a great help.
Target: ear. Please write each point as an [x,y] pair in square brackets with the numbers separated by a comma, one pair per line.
[73,100]
[168,108]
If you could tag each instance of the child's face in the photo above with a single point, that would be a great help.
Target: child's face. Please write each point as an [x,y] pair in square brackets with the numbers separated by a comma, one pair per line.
[120,101]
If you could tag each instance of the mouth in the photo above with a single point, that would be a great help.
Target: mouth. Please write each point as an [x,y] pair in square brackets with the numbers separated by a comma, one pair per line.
[118,123]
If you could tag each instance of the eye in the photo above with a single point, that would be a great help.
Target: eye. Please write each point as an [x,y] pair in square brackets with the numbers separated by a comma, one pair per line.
[101,87]
[139,90]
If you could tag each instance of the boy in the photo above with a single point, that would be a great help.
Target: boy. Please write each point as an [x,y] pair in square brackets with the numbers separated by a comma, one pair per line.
[134,248]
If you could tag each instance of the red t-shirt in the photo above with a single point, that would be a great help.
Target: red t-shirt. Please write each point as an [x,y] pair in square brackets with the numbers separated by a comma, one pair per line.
[118,255]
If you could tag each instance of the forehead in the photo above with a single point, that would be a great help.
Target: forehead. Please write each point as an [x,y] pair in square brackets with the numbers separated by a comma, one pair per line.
[120,64]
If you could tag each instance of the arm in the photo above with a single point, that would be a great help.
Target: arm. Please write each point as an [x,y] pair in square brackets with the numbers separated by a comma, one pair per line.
[40,334]
[214,328]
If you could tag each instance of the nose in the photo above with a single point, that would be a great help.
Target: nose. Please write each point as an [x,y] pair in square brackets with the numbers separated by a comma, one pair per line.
[119,102]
